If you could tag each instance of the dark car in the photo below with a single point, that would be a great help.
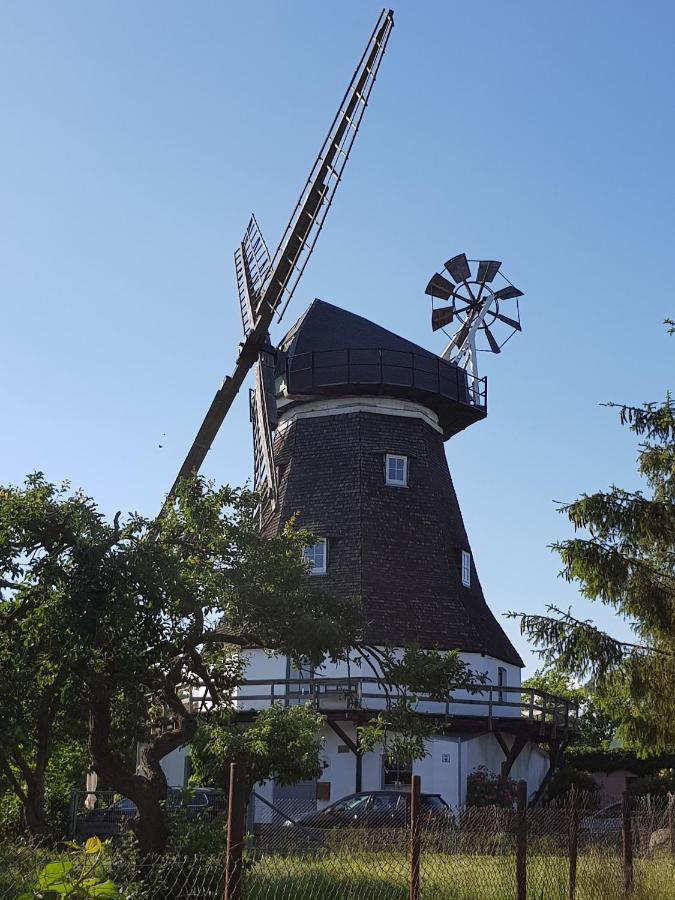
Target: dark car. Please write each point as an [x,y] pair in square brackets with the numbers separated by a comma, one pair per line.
[375,809]
[111,820]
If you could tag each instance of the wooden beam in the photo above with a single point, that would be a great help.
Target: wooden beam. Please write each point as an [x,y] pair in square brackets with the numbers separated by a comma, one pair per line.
[518,746]
[556,750]
[500,740]
[354,747]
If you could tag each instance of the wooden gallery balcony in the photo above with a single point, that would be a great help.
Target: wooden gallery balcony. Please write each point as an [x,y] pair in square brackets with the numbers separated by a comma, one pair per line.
[484,707]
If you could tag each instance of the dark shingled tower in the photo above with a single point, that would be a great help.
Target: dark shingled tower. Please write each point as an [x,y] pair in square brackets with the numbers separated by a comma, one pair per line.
[348,393]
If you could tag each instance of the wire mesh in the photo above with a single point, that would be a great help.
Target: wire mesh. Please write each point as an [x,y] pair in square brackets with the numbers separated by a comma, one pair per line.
[573,851]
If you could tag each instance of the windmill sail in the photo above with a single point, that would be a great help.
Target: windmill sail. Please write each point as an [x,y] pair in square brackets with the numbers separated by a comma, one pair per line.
[297,243]
[263,421]
[251,265]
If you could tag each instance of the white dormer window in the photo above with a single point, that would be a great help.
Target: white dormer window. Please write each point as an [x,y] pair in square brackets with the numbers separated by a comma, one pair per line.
[466,568]
[317,556]
[396,470]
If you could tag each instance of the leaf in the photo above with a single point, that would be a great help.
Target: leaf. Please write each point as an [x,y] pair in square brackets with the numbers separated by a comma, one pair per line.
[53,874]
[93,845]
[104,889]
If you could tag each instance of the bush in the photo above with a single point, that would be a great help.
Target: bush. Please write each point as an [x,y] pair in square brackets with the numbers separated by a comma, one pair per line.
[484,788]
[567,777]
[196,837]
[657,785]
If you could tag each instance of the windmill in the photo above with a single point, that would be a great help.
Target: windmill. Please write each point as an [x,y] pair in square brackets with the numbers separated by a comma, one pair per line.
[266,284]
[471,297]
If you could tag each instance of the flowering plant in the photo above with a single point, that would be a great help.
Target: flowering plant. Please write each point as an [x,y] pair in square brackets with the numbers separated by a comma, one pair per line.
[484,788]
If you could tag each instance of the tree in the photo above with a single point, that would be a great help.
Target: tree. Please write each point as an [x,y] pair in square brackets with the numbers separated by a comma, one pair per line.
[625,558]
[596,722]
[39,695]
[145,613]
[280,743]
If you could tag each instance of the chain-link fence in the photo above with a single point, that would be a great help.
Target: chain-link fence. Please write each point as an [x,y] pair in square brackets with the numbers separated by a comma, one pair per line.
[404,847]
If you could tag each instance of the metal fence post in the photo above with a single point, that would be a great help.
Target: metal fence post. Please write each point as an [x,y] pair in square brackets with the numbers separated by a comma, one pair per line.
[414,844]
[627,844]
[521,841]
[671,821]
[236,812]
[573,839]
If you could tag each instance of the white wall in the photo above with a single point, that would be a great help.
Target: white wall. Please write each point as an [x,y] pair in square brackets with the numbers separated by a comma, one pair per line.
[174,766]
[439,772]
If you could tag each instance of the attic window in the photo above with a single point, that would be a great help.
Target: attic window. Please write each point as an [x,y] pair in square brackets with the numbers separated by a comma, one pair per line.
[466,568]
[396,470]
[317,555]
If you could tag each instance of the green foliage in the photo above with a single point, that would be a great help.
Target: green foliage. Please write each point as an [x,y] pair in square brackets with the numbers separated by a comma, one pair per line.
[82,876]
[624,557]
[281,743]
[405,675]
[658,785]
[565,778]
[113,623]
[197,837]
[40,696]
[601,760]
[599,713]
[484,788]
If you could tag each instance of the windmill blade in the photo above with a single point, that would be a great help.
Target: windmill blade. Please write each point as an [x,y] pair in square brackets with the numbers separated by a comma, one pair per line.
[507,293]
[494,346]
[306,222]
[299,238]
[459,267]
[441,317]
[251,265]
[439,287]
[487,269]
[263,413]
[511,322]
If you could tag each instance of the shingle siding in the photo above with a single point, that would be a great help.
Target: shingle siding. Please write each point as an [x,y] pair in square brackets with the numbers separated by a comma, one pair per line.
[398,549]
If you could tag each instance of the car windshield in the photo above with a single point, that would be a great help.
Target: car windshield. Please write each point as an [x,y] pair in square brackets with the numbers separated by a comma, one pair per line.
[125,805]
[386,802]
[349,804]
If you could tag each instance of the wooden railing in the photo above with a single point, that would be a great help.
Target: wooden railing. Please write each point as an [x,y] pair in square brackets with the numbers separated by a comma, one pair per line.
[363,693]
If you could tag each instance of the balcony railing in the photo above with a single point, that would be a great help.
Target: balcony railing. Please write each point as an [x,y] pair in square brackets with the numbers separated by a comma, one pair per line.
[321,370]
[345,695]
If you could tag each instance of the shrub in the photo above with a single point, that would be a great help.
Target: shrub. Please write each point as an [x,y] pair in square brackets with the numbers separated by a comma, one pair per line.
[565,778]
[484,788]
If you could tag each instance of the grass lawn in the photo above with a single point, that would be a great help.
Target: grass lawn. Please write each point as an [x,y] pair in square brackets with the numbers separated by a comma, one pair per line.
[383,876]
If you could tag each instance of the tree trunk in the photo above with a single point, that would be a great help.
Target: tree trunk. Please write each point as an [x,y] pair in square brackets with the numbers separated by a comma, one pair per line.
[149,788]
[149,826]
[34,807]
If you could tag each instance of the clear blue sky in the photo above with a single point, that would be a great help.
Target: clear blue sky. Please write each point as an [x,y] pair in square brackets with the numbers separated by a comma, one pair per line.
[138,137]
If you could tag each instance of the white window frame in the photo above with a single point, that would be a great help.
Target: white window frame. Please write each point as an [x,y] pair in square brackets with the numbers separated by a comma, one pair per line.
[308,555]
[396,482]
[466,568]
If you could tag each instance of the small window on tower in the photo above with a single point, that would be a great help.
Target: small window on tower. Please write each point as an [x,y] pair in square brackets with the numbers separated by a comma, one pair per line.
[396,470]
[466,568]
[316,555]
[501,684]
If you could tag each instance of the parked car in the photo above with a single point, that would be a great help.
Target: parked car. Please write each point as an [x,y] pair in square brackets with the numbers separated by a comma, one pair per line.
[375,809]
[606,822]
[111,820]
